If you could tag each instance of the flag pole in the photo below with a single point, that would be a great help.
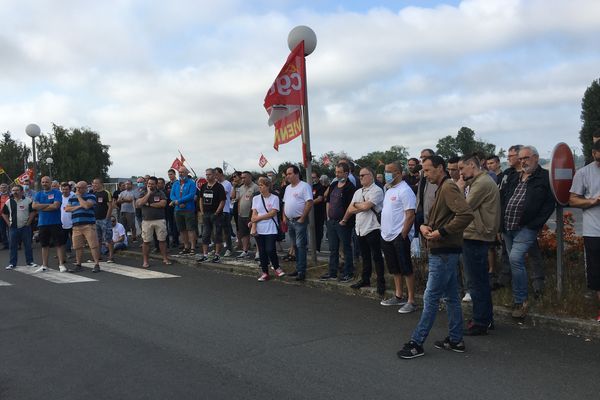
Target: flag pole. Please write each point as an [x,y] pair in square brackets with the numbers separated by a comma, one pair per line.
[310,41]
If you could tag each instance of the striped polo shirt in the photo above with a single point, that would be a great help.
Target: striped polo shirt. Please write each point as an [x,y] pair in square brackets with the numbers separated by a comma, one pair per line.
[83,216]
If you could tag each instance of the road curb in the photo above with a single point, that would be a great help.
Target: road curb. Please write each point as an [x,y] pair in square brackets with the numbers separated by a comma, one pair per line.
[567,325]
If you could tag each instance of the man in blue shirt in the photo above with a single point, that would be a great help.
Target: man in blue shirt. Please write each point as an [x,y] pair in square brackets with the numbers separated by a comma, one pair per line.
[81,207]
[47,203]
[183,200]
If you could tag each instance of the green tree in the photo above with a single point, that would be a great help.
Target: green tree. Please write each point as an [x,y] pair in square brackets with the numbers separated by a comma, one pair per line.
[13,157]
[590,118]
[378,159]
[464,143]
[78,154]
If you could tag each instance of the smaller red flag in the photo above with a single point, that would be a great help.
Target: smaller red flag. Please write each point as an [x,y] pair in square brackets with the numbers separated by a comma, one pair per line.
[262,161]
[176,164]
[181,157]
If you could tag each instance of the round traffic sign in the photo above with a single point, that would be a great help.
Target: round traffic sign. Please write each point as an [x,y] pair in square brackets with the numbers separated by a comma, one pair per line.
[562,170]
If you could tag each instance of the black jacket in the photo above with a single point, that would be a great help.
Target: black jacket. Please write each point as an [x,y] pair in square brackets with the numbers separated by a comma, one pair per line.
[539,200]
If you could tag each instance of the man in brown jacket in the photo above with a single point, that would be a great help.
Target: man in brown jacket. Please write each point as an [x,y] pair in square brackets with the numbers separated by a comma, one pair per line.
[449,216]
[484,198]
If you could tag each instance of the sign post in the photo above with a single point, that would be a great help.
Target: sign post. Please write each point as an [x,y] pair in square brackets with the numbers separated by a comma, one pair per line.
[562,170]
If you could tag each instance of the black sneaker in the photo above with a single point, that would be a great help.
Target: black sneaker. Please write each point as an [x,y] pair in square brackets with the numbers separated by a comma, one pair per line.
[96,268]
[327,277]
[293,274]
[411,350]
[216,259]
[201,259]
[78,268]
[360,284]
[300,277]
[475,330]
[447,344]
[346,278]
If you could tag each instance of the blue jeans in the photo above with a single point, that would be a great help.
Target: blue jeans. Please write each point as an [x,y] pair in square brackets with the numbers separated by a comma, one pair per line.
[475,262]
[299,239]
[337,234]
[20,235]
[441,282]
[517,244]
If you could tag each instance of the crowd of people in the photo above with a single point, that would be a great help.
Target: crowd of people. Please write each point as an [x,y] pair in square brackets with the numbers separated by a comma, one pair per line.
[461,211]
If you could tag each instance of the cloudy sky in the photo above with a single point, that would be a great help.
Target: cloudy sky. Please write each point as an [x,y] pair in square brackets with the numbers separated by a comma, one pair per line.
[155,77]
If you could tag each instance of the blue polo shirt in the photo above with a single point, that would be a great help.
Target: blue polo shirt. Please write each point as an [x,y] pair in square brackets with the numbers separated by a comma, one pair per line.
[82,216]
[49,217]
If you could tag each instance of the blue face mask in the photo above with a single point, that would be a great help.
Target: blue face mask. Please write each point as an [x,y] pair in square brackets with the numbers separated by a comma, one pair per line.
[140,184]
[389,177]
[25,187]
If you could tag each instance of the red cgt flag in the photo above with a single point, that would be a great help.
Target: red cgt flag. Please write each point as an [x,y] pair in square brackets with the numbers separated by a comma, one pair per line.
[176,164]
[288,88]
[262,161]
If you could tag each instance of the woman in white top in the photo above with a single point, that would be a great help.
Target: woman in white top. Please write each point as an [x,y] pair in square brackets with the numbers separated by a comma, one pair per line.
[264,228]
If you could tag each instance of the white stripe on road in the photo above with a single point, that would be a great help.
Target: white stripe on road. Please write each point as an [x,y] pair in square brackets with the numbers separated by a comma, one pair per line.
[53,275]
[2,283]
[131,272]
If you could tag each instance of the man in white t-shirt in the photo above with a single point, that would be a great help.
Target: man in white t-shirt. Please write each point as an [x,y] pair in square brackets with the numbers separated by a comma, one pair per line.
[585,194]
[226,210]
[298,201]
[119,235]
[397,230]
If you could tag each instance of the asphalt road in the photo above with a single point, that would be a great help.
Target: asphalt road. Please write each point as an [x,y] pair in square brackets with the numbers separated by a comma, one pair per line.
[210,335]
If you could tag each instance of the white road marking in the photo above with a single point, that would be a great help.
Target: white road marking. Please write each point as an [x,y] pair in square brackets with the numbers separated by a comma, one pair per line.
[2,283]
[54,276]
[132,272]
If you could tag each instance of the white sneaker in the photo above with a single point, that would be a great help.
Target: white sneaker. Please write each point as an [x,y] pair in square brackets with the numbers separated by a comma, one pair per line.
[43,268]
[10,266]
[467,298]
[62,268]
[32,265]
[243,254]
[227,254]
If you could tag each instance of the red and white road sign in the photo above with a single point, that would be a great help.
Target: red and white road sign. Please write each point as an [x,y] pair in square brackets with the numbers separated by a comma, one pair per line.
[562,170]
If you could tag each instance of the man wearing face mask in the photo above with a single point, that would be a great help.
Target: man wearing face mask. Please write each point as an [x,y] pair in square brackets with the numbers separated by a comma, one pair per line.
[527,203]
[339,230]
[397,230]
[183,194]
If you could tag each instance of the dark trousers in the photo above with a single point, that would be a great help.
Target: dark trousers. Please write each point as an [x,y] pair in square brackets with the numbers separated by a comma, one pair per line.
[267,251]
[3,233]
[172,226]
[475,263]
[319,225]
[370,248]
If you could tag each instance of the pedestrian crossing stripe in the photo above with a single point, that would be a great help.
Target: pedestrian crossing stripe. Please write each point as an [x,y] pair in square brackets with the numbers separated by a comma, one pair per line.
[2,283]
[52,275]
[132,272]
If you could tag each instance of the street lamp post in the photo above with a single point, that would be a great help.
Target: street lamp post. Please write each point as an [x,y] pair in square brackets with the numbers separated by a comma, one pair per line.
[49,161]
[297,35]
[33,131]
